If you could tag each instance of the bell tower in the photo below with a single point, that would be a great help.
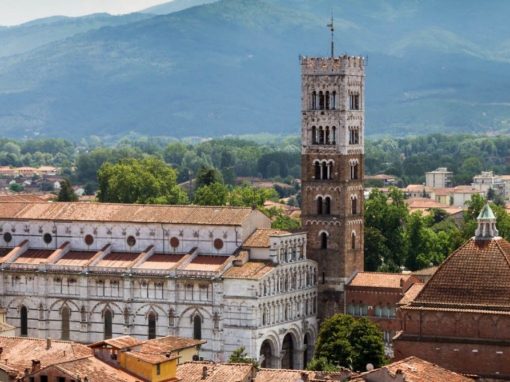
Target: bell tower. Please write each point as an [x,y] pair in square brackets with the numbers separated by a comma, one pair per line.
[332,166]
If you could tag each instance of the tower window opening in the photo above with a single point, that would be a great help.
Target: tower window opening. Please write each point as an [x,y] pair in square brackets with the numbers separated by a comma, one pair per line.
[327,101]
[354,205]
[354,171]
[354,136]
[324,240]
[325,171]
[333,100]
[319,205]
[321,135]
[354,102]
[327,205]
[317,170]
[353,240]
[333,129]
[321,101]
[327,136]
[314,100]
[314,135]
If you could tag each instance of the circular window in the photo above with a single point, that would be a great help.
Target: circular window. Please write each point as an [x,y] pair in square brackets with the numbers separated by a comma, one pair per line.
[174,242]
[89,239]
[7,237]
[47,238]
[218,244]
[131,241]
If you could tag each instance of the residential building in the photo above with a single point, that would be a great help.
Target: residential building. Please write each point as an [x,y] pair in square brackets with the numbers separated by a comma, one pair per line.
[462,194]
[439,178]
[486,181]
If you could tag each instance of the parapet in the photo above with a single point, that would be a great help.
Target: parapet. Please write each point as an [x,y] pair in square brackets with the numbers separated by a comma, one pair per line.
[351,65]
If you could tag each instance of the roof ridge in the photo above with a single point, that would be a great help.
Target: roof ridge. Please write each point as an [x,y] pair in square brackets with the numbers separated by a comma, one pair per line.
[503,251]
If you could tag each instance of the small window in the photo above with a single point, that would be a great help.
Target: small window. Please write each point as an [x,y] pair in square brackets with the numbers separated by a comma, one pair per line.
[47,238]
[7,237]
[89,239]
[174,242]
[354,102]
[44,378]
[197,327]
[324,240]
[218,244]
[131,241]
[158,369]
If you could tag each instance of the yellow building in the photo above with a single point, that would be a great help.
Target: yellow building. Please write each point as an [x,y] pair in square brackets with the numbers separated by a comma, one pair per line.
[149,366]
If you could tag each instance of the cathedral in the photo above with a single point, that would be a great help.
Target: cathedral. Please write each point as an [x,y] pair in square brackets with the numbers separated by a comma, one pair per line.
[90,271]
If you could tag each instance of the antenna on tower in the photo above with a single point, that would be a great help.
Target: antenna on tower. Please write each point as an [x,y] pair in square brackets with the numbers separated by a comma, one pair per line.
[331,27]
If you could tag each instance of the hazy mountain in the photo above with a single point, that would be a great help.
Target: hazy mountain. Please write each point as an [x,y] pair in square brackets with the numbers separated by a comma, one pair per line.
[175,6]
[33,34]
[232,67]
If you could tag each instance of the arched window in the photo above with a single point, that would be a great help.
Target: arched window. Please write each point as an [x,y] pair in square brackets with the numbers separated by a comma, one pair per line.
[327,136]
[327,100]
[333,100]
[317,170]
[108,322]
[24,321]
[321,100]
[324,240]
[197,327]
[333,130]
[314,135]
[152,325]
[327,205]
[319,205]
[66,314]
[354,170]
[354,205]
[321,135]
[314,100]
[325,172]
[353,240]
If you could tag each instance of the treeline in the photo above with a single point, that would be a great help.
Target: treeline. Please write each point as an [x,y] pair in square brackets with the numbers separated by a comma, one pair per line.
[466,155]
[407,158]
[396,238]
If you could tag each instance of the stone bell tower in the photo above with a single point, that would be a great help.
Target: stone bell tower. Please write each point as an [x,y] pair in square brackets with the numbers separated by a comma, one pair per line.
[332,165]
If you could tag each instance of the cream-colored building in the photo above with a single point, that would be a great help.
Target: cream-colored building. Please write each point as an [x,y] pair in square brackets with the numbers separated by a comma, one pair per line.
[439,178]
[89,271]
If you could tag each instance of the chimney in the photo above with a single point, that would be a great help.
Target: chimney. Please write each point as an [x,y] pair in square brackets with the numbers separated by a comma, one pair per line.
[48,343]
[36,365]
[204,372]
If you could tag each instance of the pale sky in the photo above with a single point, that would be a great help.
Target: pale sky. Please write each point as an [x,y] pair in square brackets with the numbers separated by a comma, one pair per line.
[13,12]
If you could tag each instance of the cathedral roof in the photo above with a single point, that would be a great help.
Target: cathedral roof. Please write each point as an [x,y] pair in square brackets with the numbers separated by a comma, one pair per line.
[125,213]
[475,276]
[252,270]
[260,237]
[381,280]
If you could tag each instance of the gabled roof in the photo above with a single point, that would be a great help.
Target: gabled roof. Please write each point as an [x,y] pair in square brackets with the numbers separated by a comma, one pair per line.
[125,213]
[251,270]
[475,276]
[118,342]
[379,280]
[214,372]
[260,237]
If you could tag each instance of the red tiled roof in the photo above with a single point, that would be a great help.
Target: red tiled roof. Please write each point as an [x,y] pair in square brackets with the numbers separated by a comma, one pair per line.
[18,352]
[127,213]
[475,275]
[253,270]
[168,344]
[379,279]
[411,293]
[216,372]
[413,369]
[118,259]
[260,238]
[34,256]
[118,342]
[206,263]
[161,261]
[284,375]
[77,258]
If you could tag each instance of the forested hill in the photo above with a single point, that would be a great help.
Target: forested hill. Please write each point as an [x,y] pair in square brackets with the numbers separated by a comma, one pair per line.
[231,67]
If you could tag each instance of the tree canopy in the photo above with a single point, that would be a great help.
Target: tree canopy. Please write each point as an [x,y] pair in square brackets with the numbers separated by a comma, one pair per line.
[147,180]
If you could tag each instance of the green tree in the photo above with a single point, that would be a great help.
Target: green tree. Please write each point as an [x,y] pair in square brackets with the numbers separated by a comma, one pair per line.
[207,176]
[249,196]
[285,222]
[66,193]
[349,342]
[322,364]
[148,180]
[16,187]
[239,355]
[215,194]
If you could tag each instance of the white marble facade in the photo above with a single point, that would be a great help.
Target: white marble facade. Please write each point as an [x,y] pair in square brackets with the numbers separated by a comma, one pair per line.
[73,277]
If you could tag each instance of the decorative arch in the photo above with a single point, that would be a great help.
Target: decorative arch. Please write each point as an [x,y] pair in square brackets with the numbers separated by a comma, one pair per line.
[152,317]
[65,313]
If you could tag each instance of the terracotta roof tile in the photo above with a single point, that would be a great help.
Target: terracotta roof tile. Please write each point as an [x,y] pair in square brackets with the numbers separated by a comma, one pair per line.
[118,259]
[260,238]
[379,279]
[252,270]
[95,370]
[206,263]
[152,358]
[126,213]
[414,369]
[475,275]
[283,375]
[216,372]
[34,256]
[18,352]
[411,293]
[169,344]
[161,261]
[76,258]
[118,342]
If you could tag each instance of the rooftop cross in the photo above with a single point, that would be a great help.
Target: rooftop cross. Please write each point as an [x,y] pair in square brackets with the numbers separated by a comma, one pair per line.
[331,27]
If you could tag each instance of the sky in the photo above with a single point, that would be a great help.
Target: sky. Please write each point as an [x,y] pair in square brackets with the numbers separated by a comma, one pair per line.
[14,12]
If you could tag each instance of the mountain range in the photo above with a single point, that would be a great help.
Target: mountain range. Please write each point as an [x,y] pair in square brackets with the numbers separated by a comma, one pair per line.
[212,68]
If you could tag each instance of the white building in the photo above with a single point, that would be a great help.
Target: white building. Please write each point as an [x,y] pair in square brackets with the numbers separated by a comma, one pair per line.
[487,180]
[439,178]
[89,271]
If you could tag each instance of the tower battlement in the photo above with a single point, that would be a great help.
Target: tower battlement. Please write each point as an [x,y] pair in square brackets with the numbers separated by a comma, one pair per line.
[352,65]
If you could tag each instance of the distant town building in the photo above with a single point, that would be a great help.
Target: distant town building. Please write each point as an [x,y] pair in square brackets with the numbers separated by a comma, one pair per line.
[417,191]
[461,318]
[440,178]
[463,194]
[486,181]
